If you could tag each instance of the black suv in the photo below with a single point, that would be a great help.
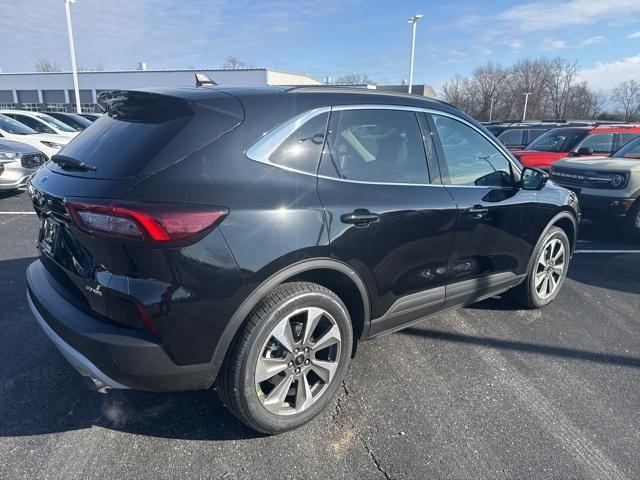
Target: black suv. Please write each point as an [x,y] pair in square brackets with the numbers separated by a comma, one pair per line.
[250,238]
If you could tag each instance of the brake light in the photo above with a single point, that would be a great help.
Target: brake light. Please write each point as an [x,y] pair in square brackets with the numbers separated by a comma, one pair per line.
[151,222]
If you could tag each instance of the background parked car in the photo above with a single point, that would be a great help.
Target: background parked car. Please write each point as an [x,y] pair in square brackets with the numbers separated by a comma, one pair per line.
[576,142]
[518,136]
[41,122]
[17,162]
[48,144]
[607,187]
[75,121]
[92,117]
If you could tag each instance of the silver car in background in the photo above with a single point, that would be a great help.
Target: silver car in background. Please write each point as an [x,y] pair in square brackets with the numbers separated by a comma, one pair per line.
[18,161]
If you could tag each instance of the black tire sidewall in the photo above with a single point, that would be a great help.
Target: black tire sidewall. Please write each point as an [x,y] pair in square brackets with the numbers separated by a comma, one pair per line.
[259,415]
[553,232]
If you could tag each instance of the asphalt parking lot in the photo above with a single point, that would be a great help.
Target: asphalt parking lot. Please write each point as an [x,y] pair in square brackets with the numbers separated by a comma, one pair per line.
[489,391]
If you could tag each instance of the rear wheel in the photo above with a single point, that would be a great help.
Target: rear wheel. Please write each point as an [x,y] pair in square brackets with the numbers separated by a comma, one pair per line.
[547,272]
[289,359]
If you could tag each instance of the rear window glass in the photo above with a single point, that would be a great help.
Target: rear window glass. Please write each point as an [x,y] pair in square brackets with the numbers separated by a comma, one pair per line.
[511,137]
[132,141]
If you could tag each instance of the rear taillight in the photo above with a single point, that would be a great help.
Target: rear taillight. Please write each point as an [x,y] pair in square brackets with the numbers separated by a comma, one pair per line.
[150,222]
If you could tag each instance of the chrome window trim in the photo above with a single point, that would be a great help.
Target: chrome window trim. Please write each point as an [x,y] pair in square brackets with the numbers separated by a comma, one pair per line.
[271,140]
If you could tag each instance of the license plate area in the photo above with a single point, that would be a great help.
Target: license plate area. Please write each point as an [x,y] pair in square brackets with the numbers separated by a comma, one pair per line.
[50,232]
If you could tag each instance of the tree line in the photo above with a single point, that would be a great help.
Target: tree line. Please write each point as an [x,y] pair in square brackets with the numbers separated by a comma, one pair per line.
[496,92]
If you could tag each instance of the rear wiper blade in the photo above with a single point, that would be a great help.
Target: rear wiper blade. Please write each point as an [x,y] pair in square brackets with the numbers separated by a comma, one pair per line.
[69,163]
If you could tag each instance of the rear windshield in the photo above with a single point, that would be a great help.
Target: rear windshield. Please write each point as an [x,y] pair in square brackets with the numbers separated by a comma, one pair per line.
[141,135]
[14,127]
[559,140]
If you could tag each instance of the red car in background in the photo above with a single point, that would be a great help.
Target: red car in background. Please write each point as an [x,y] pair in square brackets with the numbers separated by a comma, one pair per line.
[575,142]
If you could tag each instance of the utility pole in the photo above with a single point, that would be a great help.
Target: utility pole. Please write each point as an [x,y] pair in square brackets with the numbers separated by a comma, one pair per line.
[413,21]
[526,101]
[491,111]
[72,50]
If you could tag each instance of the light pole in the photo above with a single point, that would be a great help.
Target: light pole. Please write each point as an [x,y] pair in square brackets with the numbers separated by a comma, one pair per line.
[72,50]
[491,111]
[413,20]
[526,101]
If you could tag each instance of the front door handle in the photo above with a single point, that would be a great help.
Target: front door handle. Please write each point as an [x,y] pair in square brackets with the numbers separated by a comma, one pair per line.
[361,217]
[477,211]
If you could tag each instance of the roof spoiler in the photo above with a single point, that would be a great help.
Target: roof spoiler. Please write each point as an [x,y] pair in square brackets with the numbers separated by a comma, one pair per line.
[204,81]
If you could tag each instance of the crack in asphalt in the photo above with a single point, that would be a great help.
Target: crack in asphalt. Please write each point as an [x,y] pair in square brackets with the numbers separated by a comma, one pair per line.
[339,410]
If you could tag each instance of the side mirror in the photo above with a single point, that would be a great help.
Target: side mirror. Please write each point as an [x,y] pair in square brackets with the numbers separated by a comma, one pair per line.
[533,179]
[584,151]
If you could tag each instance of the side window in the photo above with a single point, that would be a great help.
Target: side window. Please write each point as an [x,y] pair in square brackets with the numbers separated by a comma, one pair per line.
[511,137]
[33,123]
[626,138]
[599,142]
[535,133]
[302,149]
[469,158]
[379,146]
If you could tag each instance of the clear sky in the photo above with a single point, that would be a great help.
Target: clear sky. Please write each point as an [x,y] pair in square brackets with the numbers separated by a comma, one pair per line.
[328,37]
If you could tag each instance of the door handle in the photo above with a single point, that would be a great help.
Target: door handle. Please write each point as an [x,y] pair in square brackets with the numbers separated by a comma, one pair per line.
[361,217]
[477,211]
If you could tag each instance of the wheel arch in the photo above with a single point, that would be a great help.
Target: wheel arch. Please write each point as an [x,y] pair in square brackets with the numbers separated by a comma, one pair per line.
[332,274]
[564,220]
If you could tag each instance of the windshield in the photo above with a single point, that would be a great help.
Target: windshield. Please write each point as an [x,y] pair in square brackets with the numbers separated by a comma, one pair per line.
[14,127]
[558,140]
[56,123]
[630,150]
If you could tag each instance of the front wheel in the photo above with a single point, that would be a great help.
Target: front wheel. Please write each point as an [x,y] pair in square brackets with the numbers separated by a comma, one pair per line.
[547,272]
[633,222]
[289,360]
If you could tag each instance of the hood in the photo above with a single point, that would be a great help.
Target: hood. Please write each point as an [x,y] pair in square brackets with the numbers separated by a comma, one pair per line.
[600,163]
[538,158]
[17,147]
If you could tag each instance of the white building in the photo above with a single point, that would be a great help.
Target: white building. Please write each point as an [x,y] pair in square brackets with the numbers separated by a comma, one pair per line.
[54,90]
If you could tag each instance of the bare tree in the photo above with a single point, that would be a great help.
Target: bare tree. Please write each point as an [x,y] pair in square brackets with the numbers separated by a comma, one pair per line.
[488,83]
[354,79]
[553,91]
[459,92]
[46,65]
[627,96]
[563,74]
[233,63]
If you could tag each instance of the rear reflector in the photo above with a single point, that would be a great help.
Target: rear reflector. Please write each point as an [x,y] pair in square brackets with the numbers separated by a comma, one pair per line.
[151,222]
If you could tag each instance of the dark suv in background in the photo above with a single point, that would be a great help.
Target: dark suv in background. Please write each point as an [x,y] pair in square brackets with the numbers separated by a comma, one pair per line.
[250,238]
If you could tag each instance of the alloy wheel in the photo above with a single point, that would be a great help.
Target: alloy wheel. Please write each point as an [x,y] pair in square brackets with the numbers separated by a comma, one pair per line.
[550,268]
[298,361]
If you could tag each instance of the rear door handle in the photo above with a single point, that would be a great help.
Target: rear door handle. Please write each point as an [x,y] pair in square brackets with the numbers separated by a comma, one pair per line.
[361,217]
[477,211]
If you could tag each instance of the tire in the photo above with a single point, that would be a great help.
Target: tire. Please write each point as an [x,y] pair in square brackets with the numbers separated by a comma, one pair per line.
[633,222]
[534,294]
[260,349]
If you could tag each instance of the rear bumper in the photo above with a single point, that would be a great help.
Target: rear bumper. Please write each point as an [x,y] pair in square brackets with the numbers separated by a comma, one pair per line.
[115,356]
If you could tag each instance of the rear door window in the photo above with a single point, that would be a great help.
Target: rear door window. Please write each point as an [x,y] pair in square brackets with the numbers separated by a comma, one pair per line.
[376,146]
[599,143]
[37,125]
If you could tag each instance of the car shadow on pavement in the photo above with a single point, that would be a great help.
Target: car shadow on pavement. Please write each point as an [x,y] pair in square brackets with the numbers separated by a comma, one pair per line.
[526,347]
[11,193]
[41,393]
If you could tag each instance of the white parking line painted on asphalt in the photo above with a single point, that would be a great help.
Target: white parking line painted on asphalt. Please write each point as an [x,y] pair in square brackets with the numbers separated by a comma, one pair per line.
[609,251]
[17,213]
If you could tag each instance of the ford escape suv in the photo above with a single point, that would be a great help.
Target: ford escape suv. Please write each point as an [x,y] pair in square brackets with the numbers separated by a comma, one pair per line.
[249,238]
